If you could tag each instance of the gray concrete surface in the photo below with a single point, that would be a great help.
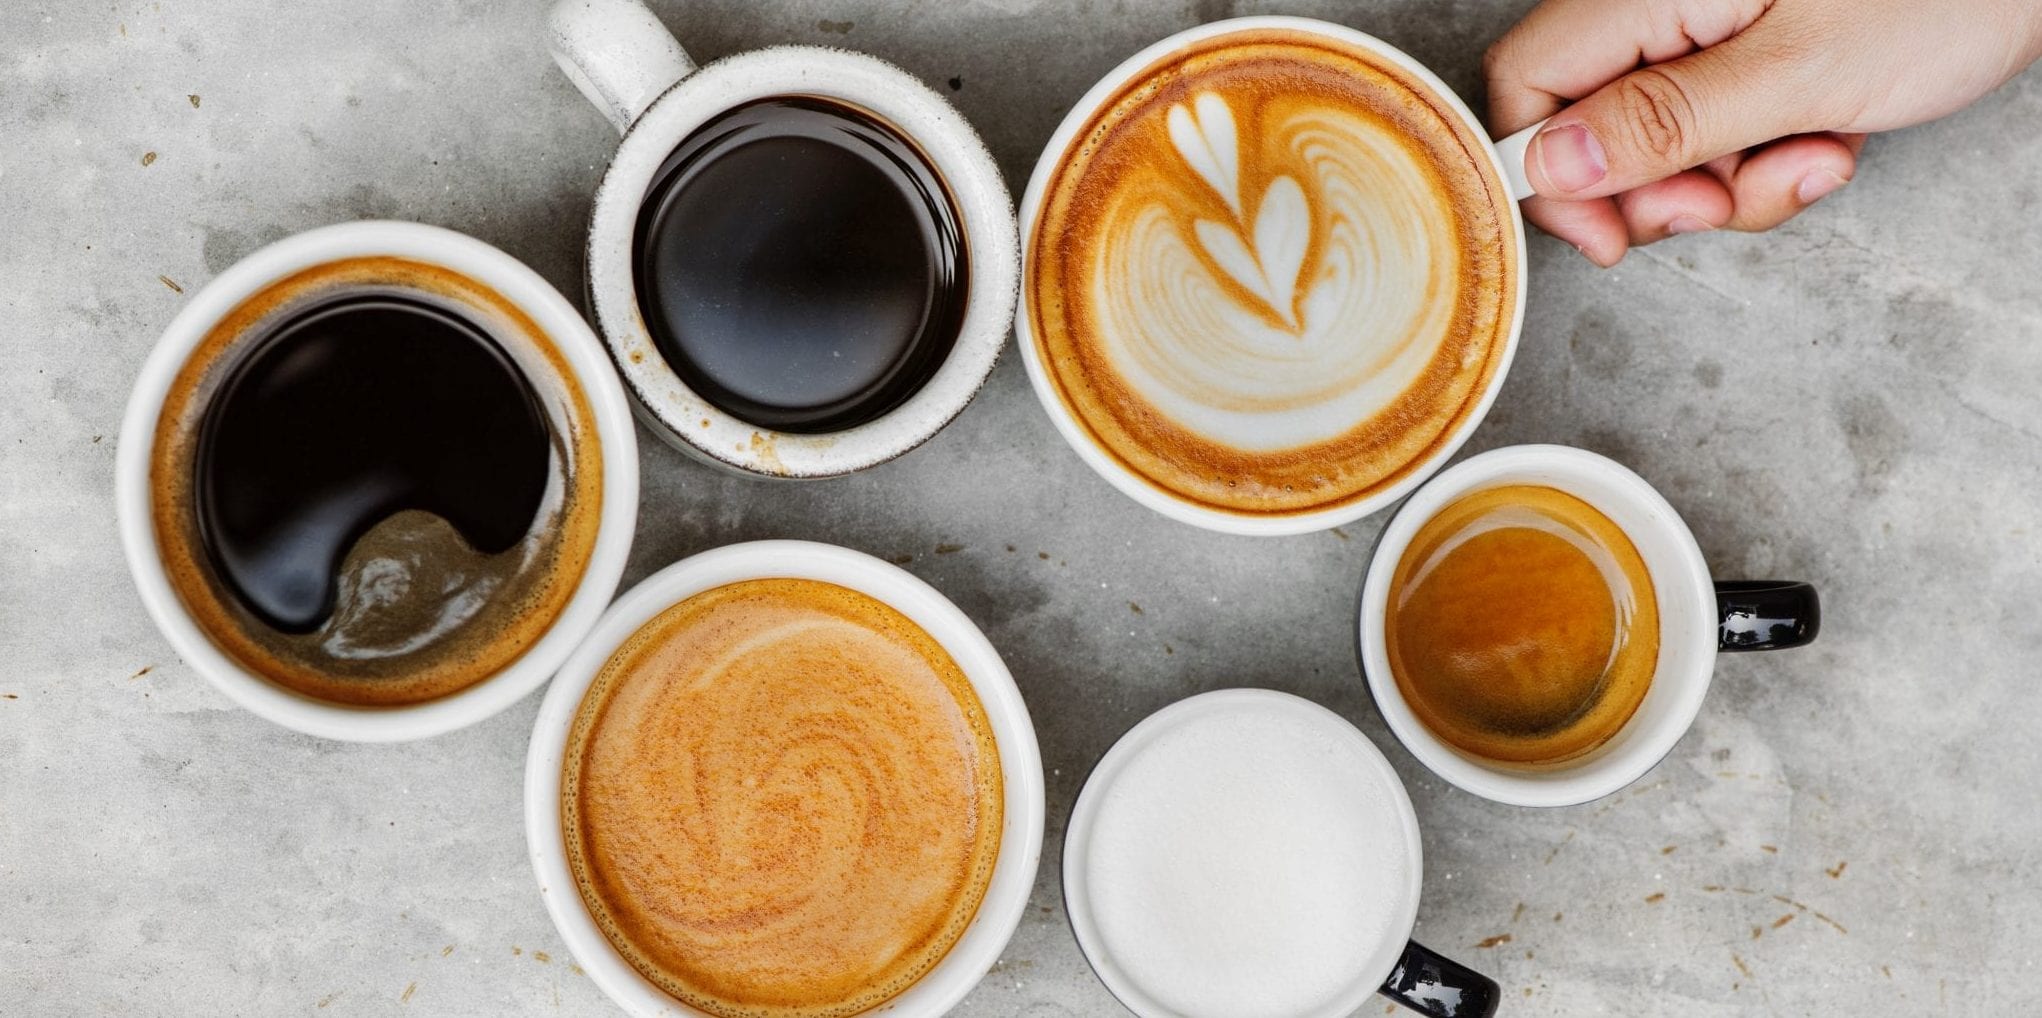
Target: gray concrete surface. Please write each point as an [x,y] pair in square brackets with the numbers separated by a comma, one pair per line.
[1850,829]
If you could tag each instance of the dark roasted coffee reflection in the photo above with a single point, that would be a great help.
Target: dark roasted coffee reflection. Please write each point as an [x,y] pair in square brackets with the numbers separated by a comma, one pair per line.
[347,412]
[800,266]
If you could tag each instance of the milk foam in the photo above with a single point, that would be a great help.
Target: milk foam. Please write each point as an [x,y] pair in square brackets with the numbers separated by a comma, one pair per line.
[1244,862]
[1300,349]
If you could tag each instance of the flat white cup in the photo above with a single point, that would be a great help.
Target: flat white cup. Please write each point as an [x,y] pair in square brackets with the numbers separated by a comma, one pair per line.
[477,261]
[1394,966]
[1696,616]
[1507,157]
[630,67]
[1006,897]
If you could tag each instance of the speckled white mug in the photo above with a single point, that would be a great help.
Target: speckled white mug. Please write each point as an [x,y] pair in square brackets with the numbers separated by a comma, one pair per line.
[1006,896]
[633,70]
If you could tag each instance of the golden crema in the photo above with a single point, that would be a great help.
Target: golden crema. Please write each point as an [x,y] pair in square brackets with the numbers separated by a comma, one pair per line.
[782,798]
[1273,274]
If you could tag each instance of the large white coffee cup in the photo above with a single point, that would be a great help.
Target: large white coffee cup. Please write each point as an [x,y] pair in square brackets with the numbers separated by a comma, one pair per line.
[465,256]
[1006,896]
[1507,157]
[1697,617]
[630,67]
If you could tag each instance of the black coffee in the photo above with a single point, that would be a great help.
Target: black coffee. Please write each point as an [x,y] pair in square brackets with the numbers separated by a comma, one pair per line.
[800,265]
[344,414]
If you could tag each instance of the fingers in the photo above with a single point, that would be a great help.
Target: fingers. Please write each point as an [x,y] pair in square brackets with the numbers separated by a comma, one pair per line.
[1774,183]
[1566,49]
[1594,227]
[1693,201]
[1660,120]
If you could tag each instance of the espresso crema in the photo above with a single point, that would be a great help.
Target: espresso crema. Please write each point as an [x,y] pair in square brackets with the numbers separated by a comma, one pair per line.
[782,799]
[1273,274]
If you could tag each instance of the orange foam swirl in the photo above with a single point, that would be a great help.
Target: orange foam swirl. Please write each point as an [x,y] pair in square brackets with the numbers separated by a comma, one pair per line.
[783,798]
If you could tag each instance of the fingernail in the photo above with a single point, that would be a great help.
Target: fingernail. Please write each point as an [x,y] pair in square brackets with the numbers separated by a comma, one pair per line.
[1688,224]
[1817,184]
[1570,157]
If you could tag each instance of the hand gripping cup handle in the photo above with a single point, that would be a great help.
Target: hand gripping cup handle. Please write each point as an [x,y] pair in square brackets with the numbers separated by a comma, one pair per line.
[1510,152]
[617,53]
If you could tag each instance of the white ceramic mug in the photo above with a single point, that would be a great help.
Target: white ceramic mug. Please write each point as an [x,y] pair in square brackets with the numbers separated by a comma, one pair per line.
[1006,896]
[1507,157]
[1697,617]
[479,262]
[1394,965]
[630,67]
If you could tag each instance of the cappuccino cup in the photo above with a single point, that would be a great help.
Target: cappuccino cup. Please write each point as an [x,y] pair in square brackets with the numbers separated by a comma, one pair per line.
[376,480]
[1539,628]
[784,777]
[803,260]
[1273,275]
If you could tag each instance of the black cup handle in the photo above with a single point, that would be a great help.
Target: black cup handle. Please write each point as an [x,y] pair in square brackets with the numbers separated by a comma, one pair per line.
[1432,985]
[1765,614]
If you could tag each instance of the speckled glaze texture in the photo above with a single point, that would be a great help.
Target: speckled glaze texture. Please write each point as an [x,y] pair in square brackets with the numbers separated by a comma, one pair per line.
[1850,400]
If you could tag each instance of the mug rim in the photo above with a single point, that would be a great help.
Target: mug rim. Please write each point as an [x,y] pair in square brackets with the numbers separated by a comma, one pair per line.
[1131,743]
[561,324]
[1614,765]
[1006,896]
[943,138]
[1131,482]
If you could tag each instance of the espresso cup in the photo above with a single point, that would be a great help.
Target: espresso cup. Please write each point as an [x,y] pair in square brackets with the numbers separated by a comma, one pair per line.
[670,112]
[252,480]
[1246,851]
[1273,274]
[810,753]
[1696,617]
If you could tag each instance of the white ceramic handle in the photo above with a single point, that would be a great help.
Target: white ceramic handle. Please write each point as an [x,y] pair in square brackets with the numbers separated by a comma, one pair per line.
[1511,151]
[617,53]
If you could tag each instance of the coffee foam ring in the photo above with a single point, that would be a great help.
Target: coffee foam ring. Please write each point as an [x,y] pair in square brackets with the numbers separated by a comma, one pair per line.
[690,423]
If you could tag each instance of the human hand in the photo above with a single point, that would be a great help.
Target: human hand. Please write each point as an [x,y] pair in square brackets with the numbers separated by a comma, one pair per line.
[1691,115]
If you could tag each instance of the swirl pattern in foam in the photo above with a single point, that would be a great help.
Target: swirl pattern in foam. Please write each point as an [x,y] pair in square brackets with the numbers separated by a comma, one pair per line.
[1273,274]
[782,797]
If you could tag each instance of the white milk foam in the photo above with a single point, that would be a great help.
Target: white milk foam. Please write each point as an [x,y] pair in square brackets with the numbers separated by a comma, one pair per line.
[1325,345]
[1245,863]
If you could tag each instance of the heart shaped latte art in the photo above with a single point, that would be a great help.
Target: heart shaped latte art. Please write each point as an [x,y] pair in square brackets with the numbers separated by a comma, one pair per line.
[1310,309]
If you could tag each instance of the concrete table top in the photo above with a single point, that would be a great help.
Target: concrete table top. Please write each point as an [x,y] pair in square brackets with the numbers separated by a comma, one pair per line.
[1851,828]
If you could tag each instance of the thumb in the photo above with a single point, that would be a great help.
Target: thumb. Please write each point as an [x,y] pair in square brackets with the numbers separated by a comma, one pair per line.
[1660,120]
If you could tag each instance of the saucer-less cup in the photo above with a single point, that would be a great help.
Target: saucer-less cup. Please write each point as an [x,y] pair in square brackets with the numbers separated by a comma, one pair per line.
[1507,155]
[1006,896]
[578,348]
[1394,965]
[630,67]
[1698,617]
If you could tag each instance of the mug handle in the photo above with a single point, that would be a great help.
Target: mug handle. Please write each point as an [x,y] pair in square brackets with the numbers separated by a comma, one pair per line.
[617,53]
[1765,614]
[1439,987]
[1511,152]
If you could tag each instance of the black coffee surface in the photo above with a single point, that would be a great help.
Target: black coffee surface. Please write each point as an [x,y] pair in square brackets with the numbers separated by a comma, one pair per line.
[800,266]
[349,411]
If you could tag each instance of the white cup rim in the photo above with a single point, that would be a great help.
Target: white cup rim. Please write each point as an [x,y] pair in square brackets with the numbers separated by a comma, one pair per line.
[1124,478]
[1682,584]
[953,149]
[1013,879]
[478,261]
[1372,971]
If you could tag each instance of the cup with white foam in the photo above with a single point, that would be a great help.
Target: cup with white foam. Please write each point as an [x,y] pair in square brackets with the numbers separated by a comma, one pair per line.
[1273,274]
[1697,617]
[632,69]
[1247,853]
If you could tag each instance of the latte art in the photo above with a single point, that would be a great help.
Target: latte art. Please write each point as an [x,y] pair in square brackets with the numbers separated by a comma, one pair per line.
[1280,276]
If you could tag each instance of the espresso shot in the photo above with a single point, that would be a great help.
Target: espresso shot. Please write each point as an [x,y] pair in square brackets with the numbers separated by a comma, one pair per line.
[374,483]
[800,265]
